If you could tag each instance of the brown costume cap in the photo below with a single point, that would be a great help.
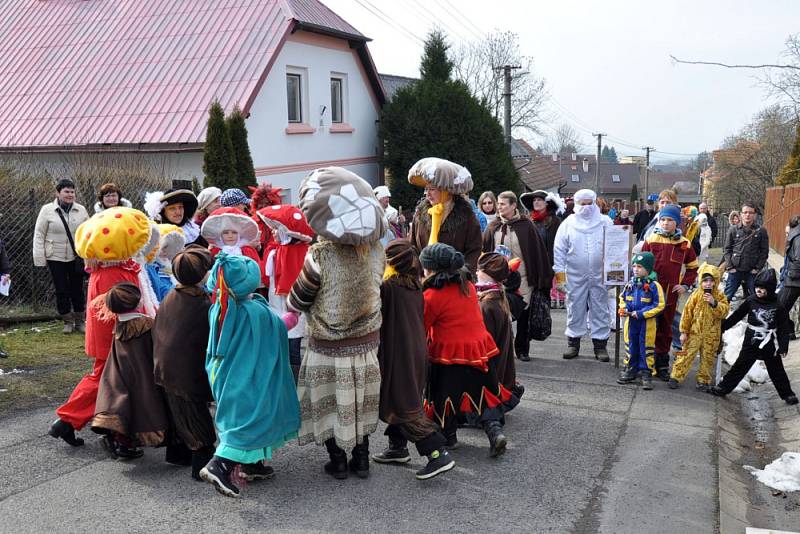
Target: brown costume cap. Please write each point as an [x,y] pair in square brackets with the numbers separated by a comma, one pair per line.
[123,297]
[190,265]
[401,256]
[495,265]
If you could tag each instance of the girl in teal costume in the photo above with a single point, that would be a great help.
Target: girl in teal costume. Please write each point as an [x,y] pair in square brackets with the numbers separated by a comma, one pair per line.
[247,362]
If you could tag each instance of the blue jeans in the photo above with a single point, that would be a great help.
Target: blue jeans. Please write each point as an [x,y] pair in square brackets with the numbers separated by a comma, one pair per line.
[739,278]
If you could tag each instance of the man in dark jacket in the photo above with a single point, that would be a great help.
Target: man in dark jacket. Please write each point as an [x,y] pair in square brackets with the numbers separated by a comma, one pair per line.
[791,277]
[746,252]
[643,218]
[712,222]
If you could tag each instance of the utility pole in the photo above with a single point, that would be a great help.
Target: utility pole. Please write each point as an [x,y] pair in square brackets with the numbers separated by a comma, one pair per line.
[507,99]
[648,149]
[597,166]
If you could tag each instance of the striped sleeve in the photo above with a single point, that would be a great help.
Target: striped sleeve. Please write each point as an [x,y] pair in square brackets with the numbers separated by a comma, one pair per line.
[305,289]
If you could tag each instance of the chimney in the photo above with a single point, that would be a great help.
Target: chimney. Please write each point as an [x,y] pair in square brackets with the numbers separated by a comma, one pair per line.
[585,165]
[574,156]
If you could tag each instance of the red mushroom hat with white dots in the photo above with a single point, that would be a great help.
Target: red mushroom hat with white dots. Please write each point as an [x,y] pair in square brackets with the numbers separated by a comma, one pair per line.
[115,234]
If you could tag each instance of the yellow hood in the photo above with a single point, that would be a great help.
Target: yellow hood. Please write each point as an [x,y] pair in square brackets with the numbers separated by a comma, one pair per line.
[708,269]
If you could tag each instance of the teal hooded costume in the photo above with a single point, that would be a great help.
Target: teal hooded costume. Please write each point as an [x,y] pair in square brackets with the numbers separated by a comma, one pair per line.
[247,362]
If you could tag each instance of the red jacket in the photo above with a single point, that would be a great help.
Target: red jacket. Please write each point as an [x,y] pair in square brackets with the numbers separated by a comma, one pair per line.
[671,256]
[100,334]
[455,328]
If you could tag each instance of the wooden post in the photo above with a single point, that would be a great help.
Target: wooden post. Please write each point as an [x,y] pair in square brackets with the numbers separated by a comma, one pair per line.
[616,334]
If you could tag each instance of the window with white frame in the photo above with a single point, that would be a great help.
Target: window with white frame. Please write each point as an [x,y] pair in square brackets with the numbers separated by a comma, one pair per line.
[615,178]
[337,100]
[294,97]
[576,178]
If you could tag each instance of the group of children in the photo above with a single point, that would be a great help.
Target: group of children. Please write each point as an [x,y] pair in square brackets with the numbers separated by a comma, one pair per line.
[667,267]
[396,335]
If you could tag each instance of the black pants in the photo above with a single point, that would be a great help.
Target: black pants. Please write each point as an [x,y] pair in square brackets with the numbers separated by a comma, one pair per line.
[69,286]
[522,342]
[747,357]
[398,439]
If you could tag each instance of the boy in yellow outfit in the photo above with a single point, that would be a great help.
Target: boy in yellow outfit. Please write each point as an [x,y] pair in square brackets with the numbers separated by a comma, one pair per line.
[701,328]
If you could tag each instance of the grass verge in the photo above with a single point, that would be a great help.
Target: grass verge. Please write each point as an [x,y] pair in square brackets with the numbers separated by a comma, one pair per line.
[42,368]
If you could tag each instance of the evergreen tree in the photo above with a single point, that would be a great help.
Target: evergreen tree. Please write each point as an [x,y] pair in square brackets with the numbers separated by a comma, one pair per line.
[634,193]
[218,164]
[242,160]
[612,155]
[438,116]
[604,153]
[195,186]
[790,173]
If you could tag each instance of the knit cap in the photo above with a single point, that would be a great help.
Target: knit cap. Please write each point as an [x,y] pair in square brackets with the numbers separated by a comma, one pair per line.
[207,196]
[233,197]
[441,257]
[645,259]
[190,265]
[672,211]
[400,255]
[494,265]
[123,297]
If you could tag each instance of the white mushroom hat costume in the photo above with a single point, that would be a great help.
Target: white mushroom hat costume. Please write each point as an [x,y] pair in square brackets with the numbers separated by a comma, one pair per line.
[223,219]
[448,177]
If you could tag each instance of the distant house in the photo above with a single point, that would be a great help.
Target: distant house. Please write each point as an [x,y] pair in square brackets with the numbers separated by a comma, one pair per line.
[137,77]
[391,83]
[686,183]
[534,172]
[577,171]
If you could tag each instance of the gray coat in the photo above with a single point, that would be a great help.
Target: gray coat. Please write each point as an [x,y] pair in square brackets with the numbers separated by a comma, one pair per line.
[746,248]
[792,275]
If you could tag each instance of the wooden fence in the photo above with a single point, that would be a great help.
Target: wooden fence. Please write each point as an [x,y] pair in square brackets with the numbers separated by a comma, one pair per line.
[781,204]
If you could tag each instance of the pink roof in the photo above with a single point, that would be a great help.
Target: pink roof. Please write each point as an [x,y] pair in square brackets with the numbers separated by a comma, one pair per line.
[89,72]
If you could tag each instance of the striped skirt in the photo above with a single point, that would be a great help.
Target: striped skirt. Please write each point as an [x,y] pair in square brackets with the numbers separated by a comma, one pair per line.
[339,393]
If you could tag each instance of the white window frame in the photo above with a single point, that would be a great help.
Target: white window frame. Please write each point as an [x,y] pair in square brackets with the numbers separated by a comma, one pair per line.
[344,100]
[576,177]
[302,74]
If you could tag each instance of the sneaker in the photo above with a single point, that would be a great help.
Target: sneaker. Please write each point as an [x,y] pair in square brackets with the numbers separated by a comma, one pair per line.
[647,382]
[257,471]
[438,462]
[392,456]
[702,387]
[791,399]
[627,376]
[663,374]
[673,384]
[218,472]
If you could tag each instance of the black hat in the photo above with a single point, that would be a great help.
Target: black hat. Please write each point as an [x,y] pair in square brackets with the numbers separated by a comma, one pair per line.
[183,196]
[527,198]
[440,257]
[767,279]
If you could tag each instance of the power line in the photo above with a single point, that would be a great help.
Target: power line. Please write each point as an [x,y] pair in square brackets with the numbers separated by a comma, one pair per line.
[456,15]
[386,19]
[478,31]
[438,19]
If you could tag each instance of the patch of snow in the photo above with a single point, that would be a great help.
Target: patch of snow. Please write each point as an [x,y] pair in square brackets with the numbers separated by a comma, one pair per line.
[733,339]
[783,474]
[11,372]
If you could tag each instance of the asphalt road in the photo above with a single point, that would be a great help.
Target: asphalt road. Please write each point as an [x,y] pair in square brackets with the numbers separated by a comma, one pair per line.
[585,455]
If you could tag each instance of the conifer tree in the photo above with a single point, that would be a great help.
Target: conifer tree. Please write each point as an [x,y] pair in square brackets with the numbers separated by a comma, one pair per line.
[790,173]
[218,164]
[242,160]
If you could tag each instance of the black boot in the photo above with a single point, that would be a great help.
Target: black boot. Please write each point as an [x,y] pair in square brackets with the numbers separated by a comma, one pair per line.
[359,463]
[397,453]
[218,472]
[627,375]
[178,454]
[497,441]
[337,466]
[62,429]
[257,471]
[573,348]
[662,367]
[600,351]
[199,460]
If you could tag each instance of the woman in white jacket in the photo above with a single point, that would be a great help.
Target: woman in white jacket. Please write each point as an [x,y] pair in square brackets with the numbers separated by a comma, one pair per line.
[705,237]
[578,267]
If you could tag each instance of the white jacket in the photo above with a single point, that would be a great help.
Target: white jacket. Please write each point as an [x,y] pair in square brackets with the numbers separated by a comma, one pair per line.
[49,239]
[579,253]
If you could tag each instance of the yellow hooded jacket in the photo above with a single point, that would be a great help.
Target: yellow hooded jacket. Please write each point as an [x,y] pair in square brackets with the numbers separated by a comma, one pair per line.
[698,317]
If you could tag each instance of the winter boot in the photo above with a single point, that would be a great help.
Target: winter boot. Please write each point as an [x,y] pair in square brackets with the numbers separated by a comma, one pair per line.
[573,348]
[438,462]
[791,400]
[199,460]
[673,384]
[359,463]
[218,472]
[257,471]
[662,367]
[69,323]
[64,430]
[717,391]
[337,466]
[627,375]
[397,453]
[524,357]
[647,381]
[600,352]
[80,321]
[497,441]
[178,454]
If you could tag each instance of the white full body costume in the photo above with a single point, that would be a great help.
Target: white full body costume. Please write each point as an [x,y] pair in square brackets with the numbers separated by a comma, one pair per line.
[578,252]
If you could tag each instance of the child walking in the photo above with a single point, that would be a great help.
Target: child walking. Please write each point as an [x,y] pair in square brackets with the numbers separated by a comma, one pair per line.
[672,252]
[180,338]
[767,329]
[247,362]
[640,303]
[463,374]
[701,328]
[404,361]
[233,232]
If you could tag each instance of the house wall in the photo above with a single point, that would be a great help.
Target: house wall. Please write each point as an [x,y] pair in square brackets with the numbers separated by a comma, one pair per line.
[281,154]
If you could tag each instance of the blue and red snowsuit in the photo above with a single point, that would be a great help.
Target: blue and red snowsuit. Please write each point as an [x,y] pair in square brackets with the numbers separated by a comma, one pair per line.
[645,297]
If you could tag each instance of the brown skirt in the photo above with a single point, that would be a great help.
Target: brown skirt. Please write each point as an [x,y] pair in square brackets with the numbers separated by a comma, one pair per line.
[192,422]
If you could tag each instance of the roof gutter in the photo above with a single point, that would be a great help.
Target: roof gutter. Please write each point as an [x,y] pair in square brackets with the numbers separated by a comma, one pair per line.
[141,148]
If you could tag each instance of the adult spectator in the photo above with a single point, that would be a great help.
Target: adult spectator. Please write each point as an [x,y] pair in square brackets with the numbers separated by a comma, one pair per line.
[443,215]
[546,210]
[487,203]
[624,218]
[54,247]
[733,218]
[110,195]
[515,236]
[478,213]
[790,274]
[578,266]
[712,221]
[746,252]
[235,198]
[207,203]
[643,218]
[394,219]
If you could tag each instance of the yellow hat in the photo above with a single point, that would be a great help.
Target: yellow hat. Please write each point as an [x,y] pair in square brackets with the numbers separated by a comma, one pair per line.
[115,234]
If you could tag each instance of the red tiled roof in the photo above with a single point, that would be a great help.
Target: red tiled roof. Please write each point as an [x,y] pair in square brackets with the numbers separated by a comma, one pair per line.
[87,72]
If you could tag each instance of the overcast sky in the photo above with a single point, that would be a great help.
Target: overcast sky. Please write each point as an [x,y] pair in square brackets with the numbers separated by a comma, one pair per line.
[607,63]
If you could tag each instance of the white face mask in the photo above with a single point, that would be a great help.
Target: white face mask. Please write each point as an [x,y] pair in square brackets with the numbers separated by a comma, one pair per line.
[586,211]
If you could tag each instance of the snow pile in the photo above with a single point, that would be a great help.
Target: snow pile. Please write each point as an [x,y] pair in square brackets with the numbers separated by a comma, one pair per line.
[783,474]
[11,372]
[733,344]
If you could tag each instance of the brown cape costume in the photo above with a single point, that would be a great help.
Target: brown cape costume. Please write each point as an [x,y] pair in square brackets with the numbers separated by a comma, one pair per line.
[538,265]
[498,323]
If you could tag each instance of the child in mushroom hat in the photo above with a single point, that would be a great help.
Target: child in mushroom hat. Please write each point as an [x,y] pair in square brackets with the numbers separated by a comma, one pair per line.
[110,242]
[232,231]
[339,291]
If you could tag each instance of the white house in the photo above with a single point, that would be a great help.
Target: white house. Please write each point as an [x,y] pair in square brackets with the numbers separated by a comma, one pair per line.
[136,78]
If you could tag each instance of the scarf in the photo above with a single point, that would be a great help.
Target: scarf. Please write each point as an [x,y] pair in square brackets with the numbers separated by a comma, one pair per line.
[505,224]
[538,216]
[482,287]
[437,214]
[674,235]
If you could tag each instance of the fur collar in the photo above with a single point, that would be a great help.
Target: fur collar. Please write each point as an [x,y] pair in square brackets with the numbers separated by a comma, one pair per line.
[459,216]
